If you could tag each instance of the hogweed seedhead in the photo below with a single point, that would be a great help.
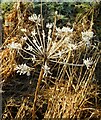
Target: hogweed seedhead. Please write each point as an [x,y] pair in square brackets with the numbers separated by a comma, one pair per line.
[41,46]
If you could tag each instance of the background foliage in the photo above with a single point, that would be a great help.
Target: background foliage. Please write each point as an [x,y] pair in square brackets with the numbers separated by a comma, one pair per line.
[68,12]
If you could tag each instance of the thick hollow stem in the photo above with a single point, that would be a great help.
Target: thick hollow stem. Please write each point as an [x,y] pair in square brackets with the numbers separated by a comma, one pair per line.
[36,92]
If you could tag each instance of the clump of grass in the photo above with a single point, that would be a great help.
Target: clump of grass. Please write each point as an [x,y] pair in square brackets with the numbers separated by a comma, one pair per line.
[7,63]
[66,100]
[17,109]
[12,23]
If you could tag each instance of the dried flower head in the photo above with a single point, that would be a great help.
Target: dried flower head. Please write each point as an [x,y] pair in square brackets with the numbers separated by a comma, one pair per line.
[23,69]
[86,37]
[35,18]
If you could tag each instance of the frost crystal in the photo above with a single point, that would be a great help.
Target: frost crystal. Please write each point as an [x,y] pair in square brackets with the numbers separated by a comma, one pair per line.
[33,59]
[46,69]
[67,29]
[72,46]
[49,25]
[23,30]
[29,48]
[88,62]
[87,35]
[33,17]
[14,46]
[64,29]
[23,69]
[33,33]
[24,38]
[58,30]
[60,53]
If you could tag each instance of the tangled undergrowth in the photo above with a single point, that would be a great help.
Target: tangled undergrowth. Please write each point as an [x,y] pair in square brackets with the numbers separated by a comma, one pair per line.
[62,59]
[64,101]
[13,22]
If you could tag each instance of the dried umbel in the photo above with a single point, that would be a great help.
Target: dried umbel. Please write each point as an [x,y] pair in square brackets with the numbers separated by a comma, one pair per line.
[23,69]
[43,47]
[87,36]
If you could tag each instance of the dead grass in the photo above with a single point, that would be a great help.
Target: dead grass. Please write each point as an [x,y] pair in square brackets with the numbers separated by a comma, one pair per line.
[72,93]
[8,63]
[65,102]
[13,22]
[76,97]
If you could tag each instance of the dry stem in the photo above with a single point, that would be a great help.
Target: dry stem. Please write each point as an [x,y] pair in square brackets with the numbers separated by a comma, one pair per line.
[36,92]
